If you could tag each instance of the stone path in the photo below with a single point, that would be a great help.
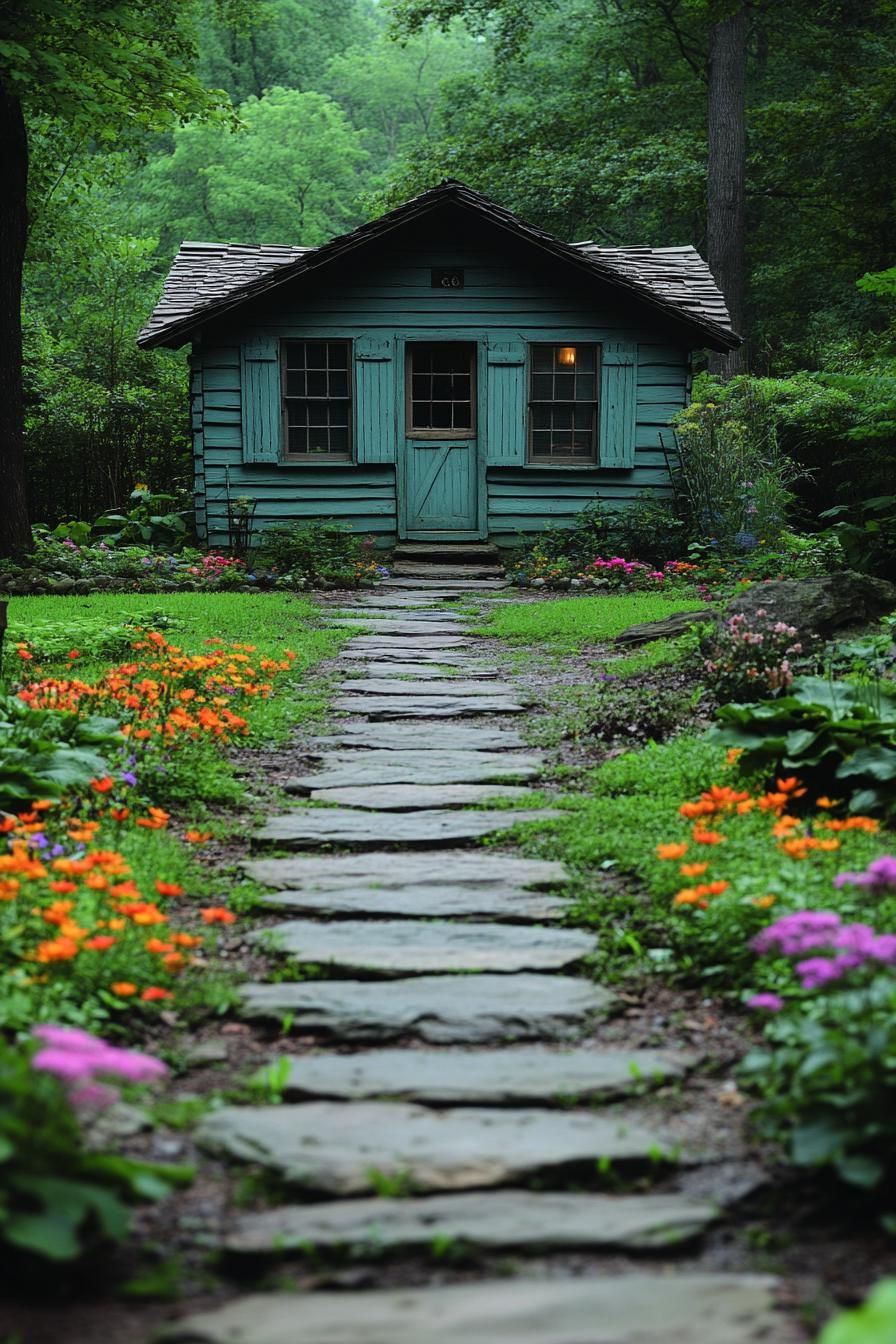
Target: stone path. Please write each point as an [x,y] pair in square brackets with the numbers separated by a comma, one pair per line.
[444,1092]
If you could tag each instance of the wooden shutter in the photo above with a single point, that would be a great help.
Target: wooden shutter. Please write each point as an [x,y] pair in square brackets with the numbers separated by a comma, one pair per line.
[506,404]
[260,402]
[375,408]
[618,404]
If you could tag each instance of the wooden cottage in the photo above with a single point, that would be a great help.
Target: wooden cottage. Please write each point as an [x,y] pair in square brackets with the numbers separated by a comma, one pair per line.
[446,372]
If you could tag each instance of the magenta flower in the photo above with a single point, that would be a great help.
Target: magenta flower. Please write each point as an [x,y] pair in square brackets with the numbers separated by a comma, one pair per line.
[81,1061]
[878,876]
[65,1064]
[771,1003]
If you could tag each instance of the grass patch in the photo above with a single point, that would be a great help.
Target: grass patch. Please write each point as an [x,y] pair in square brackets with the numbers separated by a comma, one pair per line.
[568,624]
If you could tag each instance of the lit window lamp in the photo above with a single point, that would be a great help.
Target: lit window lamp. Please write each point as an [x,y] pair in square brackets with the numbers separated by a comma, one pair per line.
[566,356]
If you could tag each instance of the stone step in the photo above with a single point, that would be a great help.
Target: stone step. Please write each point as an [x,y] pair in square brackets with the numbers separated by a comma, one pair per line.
[391,948]
[417,797]
[406,644]
[448,587]
[447,551]
[425,671]
[634,1308]
[515,1076]
[520,1220]
[424,900]
[454,686]
[311,827]
[402,614]
[456,866]
[480,1010]
[385,651]
[419,569]
[339,1149]
[388,627]
[421,705]
[379,769]
[402,736]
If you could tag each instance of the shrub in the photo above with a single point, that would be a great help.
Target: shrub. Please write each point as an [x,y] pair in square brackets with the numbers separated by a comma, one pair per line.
[636,711]
[874,1322]
[836,734]
[827,1077]
[59,1199]
[45,753]
[319,550]
[751,656]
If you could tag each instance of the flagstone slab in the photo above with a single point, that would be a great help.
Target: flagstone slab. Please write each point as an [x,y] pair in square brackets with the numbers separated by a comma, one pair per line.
[345,826]
[516,1075]
[343,1150]
[416,797]
[379,769]
[424,900]
[388,654]
[636,1308]
[446,585]
[394,626]
[449,686]
[408,947]
[406,644]
[380,868]
[433,671]
[482,1009]
[419,705]
[403,614]
[443,737]
[497,1219]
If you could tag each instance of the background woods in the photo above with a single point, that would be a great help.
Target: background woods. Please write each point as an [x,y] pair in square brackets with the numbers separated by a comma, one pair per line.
[588,117]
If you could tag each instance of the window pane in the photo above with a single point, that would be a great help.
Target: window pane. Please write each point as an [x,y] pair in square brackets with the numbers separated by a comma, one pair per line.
[317,384]
[462,417]
[563,402]
[441,415]
[315,355]
[337,355]
[295,383]
[440,376]
[317,398]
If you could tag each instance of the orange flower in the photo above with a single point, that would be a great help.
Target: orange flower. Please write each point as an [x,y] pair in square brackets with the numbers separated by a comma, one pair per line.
[733,754]
[57,949]
[119,813]
[62,887]
[764,902]
[73,654]
[790,785]
[693,869]
[100,942]
[169,888]
[9,888]
[173,961]
[198,837]
[672,851]
[156,821]
[826,802]
[7,824]
[96,882]
[701,837]
[123,988]
[158,946]
[784,826]
[104,785]
[57,912]
[216,914]
[43,804]
[186,939]
[690,896]
[155,992]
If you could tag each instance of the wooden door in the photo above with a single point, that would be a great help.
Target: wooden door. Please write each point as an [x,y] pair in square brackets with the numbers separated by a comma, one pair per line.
[439,477]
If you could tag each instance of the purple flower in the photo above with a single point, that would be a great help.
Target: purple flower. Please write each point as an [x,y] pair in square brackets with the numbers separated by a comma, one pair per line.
[66,1037]
[57,851]
[817,971]
[880,874]
[772,1003]
[65,1064]
[128,777]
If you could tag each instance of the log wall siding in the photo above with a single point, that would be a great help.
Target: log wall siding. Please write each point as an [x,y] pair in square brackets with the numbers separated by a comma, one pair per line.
[502,301]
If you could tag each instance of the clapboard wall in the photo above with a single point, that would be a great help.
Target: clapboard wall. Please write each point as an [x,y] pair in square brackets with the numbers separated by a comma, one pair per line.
[388,297]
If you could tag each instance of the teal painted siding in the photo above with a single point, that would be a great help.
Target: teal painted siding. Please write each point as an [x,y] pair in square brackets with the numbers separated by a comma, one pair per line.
[508,301]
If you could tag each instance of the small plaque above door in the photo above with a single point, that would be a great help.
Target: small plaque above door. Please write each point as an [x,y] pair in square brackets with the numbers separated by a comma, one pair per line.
[447,277]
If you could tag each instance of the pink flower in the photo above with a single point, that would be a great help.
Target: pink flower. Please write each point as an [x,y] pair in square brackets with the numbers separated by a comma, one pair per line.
[772,1003]
[65,1064]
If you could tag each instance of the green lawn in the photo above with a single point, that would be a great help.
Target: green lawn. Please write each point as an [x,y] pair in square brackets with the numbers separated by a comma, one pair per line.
[567,624]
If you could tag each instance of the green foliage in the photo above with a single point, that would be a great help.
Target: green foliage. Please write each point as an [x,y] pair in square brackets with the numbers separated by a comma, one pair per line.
[569,624]
[320,550]
[45,753]
[147,522]
[89,636]
[874,1322]
[836,735]
[826,1077]
[58,1199]
[750,655]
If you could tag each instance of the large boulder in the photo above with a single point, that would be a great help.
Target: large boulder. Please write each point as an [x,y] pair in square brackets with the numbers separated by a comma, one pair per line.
[670,627]
[819,607]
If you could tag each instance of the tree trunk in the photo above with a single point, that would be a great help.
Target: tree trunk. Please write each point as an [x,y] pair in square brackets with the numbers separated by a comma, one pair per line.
[726,174]
[15,532]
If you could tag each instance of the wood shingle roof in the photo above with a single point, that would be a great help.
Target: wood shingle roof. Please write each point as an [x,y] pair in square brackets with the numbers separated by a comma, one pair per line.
[209,279]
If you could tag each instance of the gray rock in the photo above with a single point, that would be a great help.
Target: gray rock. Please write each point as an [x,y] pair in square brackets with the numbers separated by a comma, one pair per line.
[424,900]
[407,947]
[453,686]
[516,1075]
[380,869]
[509,1219]
[343,1150]
[667,628]
[420,705]
[414,797]
[639,1308]
[482,1009]
[409,644]
[61,586]
[404,736]
[378,769]
[433,671]
[310,827]
[429,629]
[820,606]
[207,1052]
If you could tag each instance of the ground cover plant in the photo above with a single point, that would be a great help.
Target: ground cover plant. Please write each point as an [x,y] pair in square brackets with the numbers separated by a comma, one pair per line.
[571,623]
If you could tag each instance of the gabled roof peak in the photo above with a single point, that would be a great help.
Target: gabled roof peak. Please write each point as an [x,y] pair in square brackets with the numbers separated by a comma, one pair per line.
[209,279]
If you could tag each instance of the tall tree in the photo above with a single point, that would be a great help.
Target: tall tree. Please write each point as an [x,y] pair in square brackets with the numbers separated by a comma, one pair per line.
[726,174]
[109,70]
